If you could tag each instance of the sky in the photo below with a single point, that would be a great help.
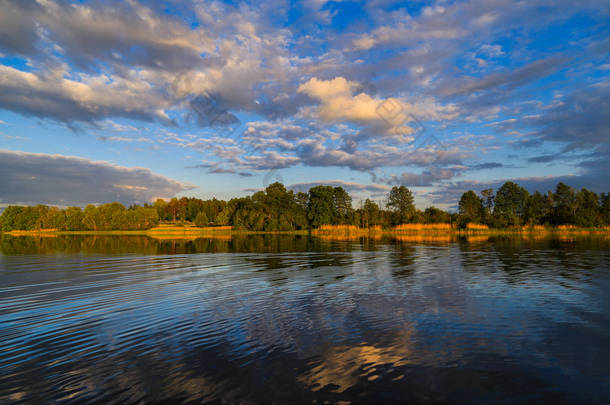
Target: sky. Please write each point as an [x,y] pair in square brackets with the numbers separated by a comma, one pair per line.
[132,101]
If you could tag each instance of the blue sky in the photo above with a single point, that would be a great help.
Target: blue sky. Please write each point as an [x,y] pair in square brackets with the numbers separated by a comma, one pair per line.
[131,101]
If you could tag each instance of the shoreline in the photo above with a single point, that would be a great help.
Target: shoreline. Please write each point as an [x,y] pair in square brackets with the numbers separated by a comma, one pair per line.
[354,232]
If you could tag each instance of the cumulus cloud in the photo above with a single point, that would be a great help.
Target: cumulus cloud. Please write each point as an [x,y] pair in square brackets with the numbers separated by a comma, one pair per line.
[355,98]
[342,100]
[84,33]
[33,178]
[337,101]
[139,62]
[50,94]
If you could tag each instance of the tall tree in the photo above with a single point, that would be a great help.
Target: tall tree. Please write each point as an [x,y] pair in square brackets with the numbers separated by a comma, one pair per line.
[370,215]
[510,204]
[342,206]
[470,208]
[536,212]
[588,212]
[564,204]
[74,219]
[321,207]
[400,200]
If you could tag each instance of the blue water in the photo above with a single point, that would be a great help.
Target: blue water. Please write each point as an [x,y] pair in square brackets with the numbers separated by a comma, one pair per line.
[299,320]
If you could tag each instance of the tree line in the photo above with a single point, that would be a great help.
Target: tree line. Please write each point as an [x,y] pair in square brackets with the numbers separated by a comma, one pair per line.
[512,205]
[104,217]
[279,209]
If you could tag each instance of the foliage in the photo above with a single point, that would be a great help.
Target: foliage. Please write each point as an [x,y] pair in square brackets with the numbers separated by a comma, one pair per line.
[564,204]
[433,215]
[401,202]
[471,208]
[514,206]
[321,206]
[279,209]
[510,205]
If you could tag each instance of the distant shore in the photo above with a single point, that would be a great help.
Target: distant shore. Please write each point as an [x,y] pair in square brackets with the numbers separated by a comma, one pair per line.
[172,231]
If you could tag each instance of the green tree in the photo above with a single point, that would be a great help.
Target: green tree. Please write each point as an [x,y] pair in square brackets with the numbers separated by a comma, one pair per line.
[510,205]
[342,206]
[470,208]
[564,205]
[54,219]
[400,200]
[74,219]
[182,213]
[433,215]
[280,208]
[162,209]
[370,214]
[10,217]
[91,218]
[173,209]
[588,212]
[536,212]
[321,206]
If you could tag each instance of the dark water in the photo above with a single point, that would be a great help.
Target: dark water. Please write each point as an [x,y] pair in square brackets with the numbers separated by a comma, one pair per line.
[301,320]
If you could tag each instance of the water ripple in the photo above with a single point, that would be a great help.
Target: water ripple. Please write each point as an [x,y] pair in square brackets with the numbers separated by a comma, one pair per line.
[308,323]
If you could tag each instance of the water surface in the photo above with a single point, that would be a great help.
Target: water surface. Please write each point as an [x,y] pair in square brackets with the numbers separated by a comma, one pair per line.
[288,319]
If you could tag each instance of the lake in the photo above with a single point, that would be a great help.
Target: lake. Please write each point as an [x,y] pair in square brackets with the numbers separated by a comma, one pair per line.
[295,319]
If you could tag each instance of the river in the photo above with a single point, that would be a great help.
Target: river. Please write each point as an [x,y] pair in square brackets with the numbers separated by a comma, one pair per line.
[297,319]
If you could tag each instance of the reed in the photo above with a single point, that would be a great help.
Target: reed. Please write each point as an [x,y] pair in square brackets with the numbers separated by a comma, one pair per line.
[33,231]
[350,230]
[189,229]
[471,226]
[414,228]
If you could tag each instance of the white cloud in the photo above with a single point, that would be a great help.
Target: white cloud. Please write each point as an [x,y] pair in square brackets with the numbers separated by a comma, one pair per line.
[33,178]
[85,98]
[340,100]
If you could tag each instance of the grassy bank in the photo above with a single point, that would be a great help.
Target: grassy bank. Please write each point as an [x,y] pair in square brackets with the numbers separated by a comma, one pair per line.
[162,232]
[168,231]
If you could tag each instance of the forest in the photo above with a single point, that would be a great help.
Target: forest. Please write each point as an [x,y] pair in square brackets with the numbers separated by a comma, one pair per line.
[279,209]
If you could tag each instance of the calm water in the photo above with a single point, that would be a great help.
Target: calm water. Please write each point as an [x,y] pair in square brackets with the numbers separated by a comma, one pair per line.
[300,320]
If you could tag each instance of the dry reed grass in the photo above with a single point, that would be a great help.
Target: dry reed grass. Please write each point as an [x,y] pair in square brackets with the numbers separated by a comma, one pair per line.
[346,232]
[471,226]
[38,232]
[414,228]
[189,229]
